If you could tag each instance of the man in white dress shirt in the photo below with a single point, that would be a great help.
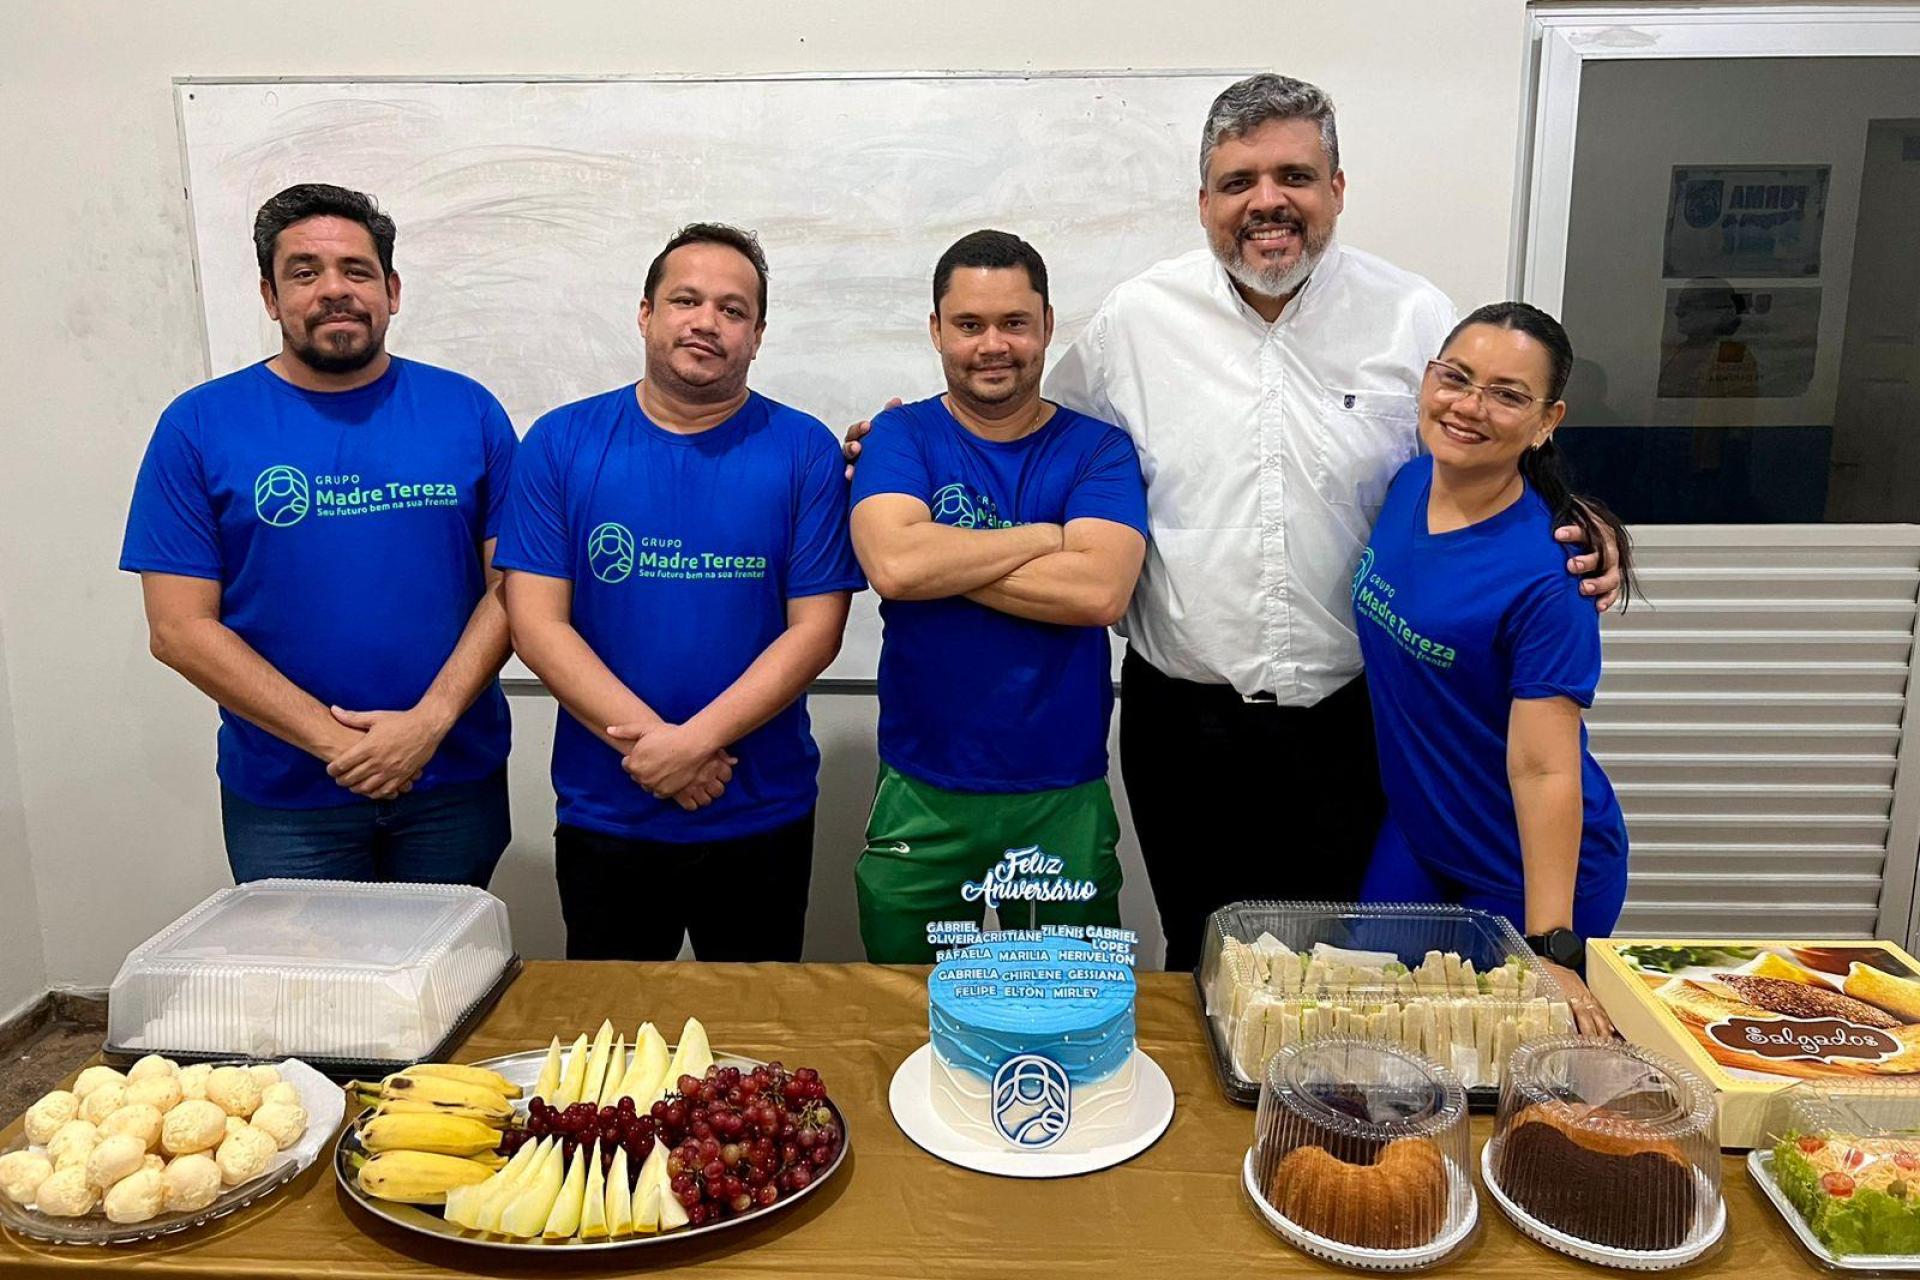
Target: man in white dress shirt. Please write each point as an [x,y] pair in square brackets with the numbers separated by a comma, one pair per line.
[1270,383]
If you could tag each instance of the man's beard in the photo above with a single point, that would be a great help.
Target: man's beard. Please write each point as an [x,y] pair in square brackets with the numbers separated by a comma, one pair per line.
[721,385]
[330,359]
[1273,281]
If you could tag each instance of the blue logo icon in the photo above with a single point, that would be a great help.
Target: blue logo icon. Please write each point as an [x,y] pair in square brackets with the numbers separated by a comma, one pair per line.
[610,552]
[1032,1101]
[1360,574]
[281,496]
[1701,200]
[952,506]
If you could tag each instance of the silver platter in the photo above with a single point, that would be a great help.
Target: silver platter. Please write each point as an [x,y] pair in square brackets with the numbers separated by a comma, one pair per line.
[524,1069]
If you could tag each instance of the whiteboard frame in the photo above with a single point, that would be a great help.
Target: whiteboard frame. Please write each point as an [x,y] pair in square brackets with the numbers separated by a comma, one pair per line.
[182,91]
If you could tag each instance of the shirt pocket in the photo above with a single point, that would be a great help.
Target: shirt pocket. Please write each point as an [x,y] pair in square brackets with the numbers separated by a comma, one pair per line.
[1362,438]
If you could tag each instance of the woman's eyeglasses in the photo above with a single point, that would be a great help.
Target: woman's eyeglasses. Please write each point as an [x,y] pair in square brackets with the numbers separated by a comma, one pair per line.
[1508,401]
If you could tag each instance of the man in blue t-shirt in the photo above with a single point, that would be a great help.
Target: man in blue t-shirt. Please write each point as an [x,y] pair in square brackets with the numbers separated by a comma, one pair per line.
[678,573]
[313,536]
[1004,534]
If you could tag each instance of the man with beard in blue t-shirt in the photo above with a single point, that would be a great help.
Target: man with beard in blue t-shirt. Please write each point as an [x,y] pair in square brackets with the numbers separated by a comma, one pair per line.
[678,573]
[1004,534]
[314,536]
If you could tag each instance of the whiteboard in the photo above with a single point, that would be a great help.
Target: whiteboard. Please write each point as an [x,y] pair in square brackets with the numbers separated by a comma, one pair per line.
[529,210]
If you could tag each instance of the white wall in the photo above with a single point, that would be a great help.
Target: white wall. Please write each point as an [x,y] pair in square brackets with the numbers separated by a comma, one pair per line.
[1640,119]
[23,964]
[115,753]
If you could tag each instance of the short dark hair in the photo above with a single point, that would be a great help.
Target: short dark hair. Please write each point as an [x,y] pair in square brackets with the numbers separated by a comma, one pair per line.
[744,242]
[993,250]
[319,200]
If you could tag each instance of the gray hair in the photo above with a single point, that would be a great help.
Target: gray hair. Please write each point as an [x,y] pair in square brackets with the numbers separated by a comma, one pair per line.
[1245,105]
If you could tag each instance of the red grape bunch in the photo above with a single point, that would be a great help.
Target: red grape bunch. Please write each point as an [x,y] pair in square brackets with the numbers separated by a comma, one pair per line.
[735,1141]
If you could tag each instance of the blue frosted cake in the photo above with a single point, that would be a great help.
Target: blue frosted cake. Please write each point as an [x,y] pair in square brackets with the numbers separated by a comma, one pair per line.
[1032,1043]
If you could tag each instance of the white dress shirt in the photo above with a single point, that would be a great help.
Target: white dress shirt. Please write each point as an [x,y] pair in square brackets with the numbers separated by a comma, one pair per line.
[1267,449]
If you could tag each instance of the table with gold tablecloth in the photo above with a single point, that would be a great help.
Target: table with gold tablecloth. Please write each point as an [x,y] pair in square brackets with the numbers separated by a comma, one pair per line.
[892,1210]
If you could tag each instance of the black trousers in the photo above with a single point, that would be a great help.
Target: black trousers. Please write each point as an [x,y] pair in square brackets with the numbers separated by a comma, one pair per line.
[741,900]
[1234,800]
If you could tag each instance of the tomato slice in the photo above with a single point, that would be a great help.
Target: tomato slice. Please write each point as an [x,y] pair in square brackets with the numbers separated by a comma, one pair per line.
[1836,1184]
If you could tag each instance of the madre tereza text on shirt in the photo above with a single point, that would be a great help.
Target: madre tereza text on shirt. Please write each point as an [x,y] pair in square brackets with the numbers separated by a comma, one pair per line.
[282,495]
[614,554]
[1373,600]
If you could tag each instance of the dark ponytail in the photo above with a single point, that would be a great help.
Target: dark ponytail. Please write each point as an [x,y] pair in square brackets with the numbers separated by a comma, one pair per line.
[1544,468]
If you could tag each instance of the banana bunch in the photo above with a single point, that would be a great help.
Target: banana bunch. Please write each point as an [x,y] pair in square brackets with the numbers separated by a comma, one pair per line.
[432,1128]
[422,1177]
[442,1088]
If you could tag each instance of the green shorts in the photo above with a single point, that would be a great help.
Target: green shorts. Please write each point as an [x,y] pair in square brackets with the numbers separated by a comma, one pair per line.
[924,842]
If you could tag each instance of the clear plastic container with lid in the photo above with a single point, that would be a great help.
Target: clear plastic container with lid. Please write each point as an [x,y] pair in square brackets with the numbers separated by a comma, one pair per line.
[1361,1155]
[1608,1153]
[1455,984]
[1841,1162]
[329,971]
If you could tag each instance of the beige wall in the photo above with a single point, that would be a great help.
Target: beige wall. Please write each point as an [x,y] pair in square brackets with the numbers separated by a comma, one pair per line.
[115,754]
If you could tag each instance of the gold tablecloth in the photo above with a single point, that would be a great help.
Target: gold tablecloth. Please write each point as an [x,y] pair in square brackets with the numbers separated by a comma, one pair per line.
[892,1210]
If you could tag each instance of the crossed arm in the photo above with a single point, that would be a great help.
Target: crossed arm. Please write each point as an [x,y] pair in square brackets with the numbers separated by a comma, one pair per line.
[688,763]
[375,753]
[1079,574]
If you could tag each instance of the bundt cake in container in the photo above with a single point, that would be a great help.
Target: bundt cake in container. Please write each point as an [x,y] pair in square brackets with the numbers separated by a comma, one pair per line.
[1609,1153]
[1361,1155]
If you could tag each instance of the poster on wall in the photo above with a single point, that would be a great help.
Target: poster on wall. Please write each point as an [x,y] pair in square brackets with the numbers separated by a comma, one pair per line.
[1723,343]
[1746,220]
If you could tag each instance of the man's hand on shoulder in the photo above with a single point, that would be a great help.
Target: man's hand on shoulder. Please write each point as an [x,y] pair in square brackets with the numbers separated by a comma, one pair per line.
[392,751]
[850,446]
[1604,585]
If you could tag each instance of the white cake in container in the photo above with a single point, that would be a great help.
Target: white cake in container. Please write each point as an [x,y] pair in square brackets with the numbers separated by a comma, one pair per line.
[312,969]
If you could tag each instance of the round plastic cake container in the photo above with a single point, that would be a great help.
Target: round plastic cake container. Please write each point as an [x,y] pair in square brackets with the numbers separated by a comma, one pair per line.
[1361,1155]
[1607,1153]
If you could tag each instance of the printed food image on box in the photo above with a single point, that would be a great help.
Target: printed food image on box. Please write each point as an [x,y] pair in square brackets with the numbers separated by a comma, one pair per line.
[1770,1010]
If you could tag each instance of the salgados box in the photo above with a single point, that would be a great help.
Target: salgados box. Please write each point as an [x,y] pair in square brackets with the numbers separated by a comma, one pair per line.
[1754,1017]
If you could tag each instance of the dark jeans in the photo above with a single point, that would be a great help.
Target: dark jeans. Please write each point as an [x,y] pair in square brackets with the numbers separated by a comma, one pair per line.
[453,834]
[1234,800]
[741,900]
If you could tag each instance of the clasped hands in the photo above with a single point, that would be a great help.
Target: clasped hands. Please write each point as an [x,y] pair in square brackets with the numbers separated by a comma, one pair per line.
[676,762]
[387,751]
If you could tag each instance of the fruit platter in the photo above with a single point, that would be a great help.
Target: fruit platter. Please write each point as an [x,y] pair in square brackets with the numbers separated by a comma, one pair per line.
[605,1145]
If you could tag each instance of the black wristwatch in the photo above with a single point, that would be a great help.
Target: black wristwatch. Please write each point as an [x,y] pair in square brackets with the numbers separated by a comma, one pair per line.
[1563,947]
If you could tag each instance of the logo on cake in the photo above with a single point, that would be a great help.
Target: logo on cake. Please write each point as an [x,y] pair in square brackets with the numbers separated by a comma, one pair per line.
[1032,1101]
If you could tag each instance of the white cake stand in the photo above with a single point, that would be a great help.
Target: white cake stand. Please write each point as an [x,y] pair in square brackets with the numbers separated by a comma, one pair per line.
[913,1111]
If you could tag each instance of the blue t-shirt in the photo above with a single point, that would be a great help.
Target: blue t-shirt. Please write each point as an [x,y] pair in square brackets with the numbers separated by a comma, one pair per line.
[1453,627]
[683,551]
[345,530]
[972,699]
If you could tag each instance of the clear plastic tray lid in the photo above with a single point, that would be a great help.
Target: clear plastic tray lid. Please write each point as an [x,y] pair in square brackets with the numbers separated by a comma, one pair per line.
[1452,983]
[314,968]
[1847,1156]
[1363,1144]
[1608,1145]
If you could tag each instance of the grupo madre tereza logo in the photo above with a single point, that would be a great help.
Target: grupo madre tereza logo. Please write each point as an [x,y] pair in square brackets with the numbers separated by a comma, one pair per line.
[610,552]
[1032,1101]
[281,496]
[284,495]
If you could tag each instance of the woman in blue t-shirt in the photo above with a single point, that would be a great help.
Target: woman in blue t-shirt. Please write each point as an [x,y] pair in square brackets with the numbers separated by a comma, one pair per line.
[1481,652]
